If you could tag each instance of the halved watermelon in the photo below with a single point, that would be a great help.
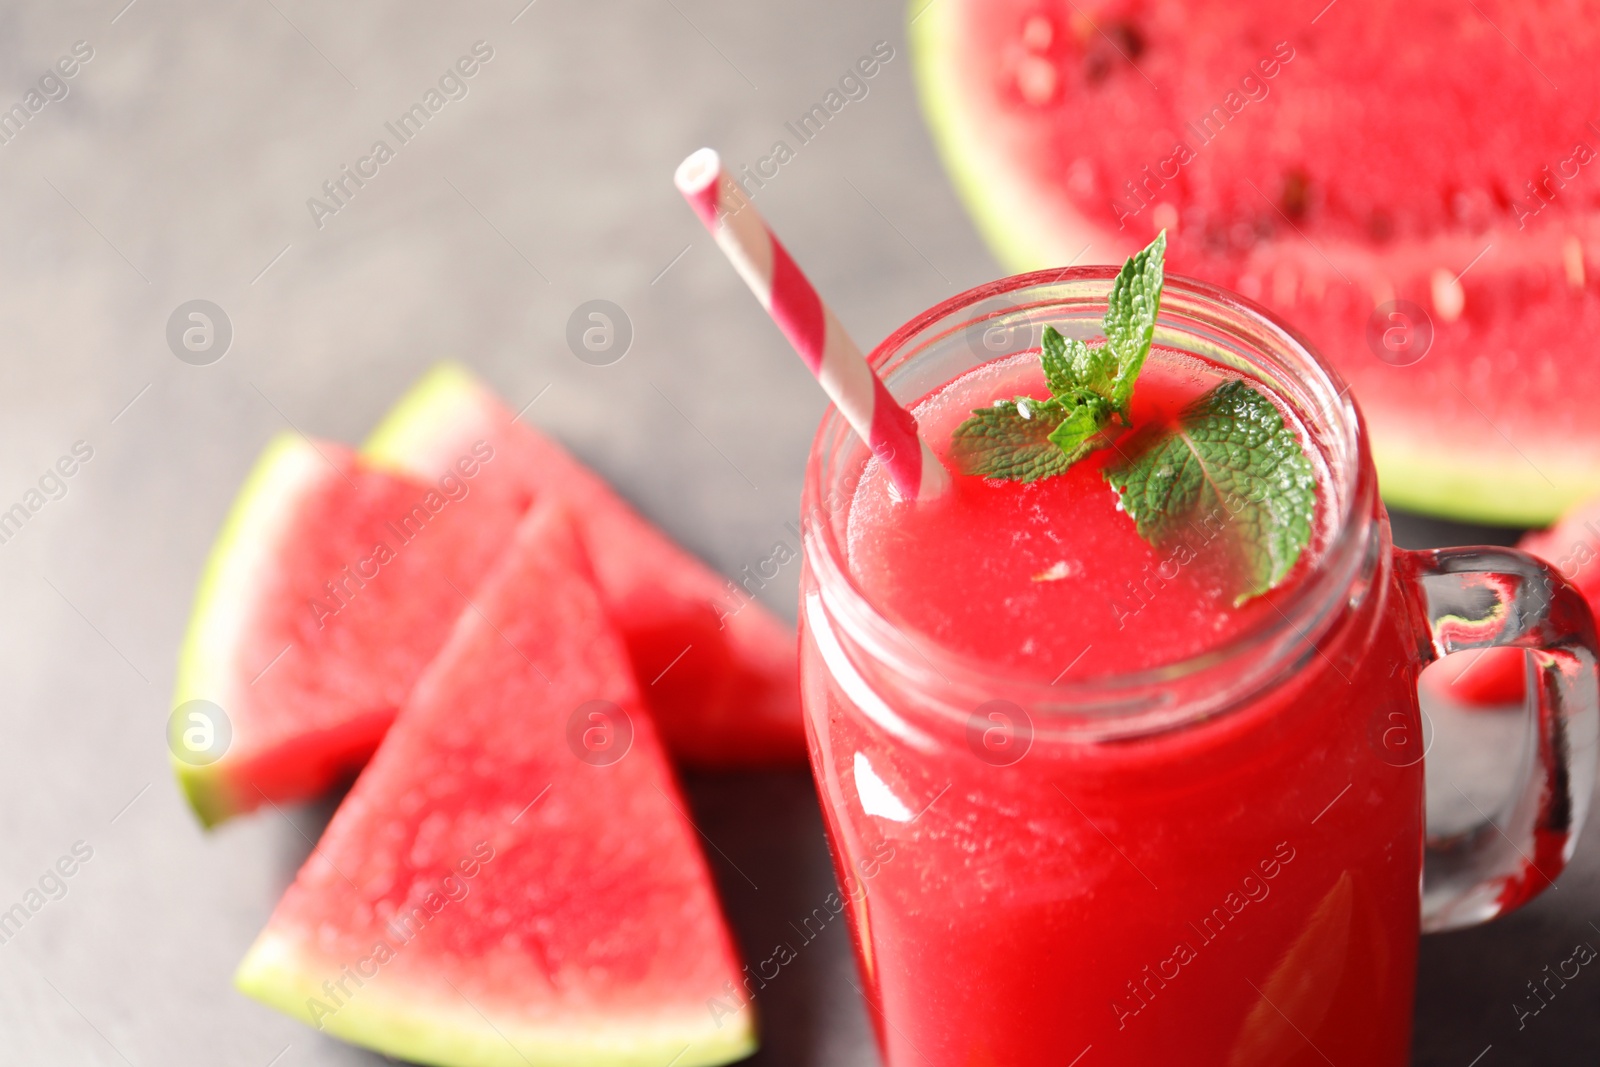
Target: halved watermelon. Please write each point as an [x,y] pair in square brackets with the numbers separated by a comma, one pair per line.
[330,588]
[718,670]
[486,897]
[1375,172]
[1496,675]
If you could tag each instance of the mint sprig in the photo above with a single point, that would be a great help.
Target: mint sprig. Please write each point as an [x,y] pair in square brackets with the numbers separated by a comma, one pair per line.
[1231,460]
[1089,387]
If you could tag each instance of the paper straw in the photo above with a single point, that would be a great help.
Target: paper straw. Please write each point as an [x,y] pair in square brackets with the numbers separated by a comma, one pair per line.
[887,428]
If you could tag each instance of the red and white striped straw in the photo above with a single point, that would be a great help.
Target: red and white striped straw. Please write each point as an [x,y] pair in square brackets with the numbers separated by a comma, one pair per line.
[887,428]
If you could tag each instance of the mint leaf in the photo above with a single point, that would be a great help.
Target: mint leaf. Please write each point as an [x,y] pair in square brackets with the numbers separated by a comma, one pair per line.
[1054,352]
[1230,458]
[1012,440]
[1096,367]
[1089,387]
[1130,319]
[1080,432]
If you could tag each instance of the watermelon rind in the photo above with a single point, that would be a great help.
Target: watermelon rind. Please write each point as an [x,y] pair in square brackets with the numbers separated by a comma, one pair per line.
[738,706]
[1026,233]
[438,398]
[1007,212]
[421,1029]
[1513,493]
[223,604]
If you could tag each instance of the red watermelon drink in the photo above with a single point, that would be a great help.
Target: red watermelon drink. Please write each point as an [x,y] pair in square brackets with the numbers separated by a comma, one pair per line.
[1118,738]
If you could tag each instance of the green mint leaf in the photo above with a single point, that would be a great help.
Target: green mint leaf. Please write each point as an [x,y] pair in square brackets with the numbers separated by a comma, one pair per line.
[1080,431]
[1059,373]
[1070,366]
[1130,320]
[1095,367]
[1024,439]
[1012,440]
[1230,458]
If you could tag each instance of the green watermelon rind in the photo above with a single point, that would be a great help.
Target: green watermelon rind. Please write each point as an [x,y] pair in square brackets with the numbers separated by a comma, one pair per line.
[287,466]
[1006,210]
[1508,493]
[446,395]
[420,1029]
[1417,476]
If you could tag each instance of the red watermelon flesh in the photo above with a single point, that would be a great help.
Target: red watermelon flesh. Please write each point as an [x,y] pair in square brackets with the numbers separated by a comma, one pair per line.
[717,669]
[1496,676]
[331,587]
[1326,160]
[495,892]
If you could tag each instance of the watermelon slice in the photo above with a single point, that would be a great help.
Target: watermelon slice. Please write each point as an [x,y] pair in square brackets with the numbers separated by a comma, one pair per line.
[718,670]
[331,587]
[1378,174]
[1496,676]
[336,579]
[486,896]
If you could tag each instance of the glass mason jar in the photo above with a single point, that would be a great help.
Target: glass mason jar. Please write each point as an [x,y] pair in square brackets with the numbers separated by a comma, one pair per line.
[1221,861]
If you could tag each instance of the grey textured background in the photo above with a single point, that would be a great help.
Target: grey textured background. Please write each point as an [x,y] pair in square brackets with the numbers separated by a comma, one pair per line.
[179,168]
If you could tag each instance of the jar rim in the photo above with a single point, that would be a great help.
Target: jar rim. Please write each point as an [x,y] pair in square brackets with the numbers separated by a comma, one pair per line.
[1151,698]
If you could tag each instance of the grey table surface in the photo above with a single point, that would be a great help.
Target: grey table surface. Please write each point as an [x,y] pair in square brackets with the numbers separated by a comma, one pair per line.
[179,165]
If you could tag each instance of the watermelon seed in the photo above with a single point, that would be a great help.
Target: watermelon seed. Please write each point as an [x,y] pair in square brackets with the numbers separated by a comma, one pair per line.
[1124,40]
[1129,41]
[1572,260]
[1037,80]
[1038,33]
[1296,198]
[1449,297]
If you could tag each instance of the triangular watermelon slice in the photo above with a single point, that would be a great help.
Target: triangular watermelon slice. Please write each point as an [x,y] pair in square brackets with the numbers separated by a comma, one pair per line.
[492,893]
[336,579]
[717,669]
[330,589]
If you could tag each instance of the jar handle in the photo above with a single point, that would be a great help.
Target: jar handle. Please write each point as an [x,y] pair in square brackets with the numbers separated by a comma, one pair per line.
[1466,598]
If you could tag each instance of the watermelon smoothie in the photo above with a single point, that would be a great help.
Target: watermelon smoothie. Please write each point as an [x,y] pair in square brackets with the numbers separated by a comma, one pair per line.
[1129,819]
[978,570]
